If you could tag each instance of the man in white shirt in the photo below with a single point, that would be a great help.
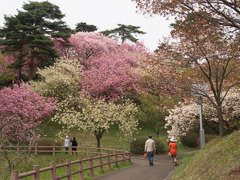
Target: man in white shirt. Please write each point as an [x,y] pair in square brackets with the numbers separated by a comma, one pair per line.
[150,149]
[66,144]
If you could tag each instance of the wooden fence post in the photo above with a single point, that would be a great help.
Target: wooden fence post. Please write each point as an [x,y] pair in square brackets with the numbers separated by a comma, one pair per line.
[114,153]
[102,150]
[109,161]
[14,175]
[81,175]
[129,156]
[69,172]
[88,151]
[91,165]
[36,175]
[123,157]
[53,150]
[36,148]
[101,163]
[70,149]
[53,170]
[116,158]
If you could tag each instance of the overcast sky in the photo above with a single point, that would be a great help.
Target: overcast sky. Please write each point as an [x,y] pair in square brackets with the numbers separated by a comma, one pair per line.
[105,14]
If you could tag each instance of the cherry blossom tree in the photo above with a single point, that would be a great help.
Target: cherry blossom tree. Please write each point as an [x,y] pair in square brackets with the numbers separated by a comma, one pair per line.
[111,76]
[21,110]
[86,45]
[75,110]
[185,115]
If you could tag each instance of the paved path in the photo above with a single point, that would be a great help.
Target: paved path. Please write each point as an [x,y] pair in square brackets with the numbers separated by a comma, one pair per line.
[141,170]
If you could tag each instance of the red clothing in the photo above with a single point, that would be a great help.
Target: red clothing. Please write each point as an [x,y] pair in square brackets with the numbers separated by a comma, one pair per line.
[173,148]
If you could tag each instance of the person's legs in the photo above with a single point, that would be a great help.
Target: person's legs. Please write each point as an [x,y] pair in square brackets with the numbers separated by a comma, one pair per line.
[152,156]
[149,158]
[174,160]
[66,150]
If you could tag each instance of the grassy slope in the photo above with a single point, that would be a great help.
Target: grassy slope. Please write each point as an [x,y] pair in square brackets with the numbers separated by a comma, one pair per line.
[219,159]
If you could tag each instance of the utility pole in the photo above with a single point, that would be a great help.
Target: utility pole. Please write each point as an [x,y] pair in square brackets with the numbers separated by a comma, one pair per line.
[202,135]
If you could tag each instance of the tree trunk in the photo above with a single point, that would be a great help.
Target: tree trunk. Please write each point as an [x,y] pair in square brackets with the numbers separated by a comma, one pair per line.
[98,141]
[19,75]
[220,120]
[31,69]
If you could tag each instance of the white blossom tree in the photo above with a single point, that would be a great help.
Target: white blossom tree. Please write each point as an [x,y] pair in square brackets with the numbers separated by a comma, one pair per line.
[184,115]
[76,110]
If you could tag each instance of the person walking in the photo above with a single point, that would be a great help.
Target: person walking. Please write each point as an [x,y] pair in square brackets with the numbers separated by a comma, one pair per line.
[173,150]
[66,144]
[74,145]
[150,149]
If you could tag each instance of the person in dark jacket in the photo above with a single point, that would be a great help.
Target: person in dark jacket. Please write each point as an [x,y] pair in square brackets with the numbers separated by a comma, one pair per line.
[74,145]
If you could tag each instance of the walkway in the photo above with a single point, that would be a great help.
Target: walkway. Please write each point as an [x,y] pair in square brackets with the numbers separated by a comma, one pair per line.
[141,170]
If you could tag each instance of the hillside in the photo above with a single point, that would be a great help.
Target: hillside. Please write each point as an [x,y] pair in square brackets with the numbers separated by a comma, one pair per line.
[219,159]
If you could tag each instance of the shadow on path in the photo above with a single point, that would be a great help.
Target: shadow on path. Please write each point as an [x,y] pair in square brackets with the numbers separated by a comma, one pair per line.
[142,171]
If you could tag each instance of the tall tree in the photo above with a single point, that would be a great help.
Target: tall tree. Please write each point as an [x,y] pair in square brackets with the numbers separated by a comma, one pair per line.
[28,34]
[204,56]
[124,32]
[84,27]
[223,12]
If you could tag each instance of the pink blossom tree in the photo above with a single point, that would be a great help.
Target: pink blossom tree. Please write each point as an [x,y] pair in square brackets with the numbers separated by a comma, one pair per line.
[86,45]
[111,76]
[21,110]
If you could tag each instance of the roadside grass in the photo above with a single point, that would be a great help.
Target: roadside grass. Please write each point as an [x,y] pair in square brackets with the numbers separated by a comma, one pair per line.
[44,160]
[219,159]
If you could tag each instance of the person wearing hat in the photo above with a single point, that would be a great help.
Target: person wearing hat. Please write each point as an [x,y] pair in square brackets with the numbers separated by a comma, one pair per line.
[150,148]
[66,144]
[173,150]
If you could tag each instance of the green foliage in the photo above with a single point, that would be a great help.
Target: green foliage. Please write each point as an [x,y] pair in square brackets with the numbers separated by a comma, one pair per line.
[5,79]
[152,111]
[84,27]
[137,145]
[47,142]
[190,139]
[124,32]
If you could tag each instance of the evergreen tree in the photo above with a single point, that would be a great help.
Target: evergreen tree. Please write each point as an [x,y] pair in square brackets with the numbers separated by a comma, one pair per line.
[28,35]
[124,32]
[84,27]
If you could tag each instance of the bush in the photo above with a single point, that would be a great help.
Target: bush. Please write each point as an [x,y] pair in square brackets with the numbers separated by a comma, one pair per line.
[190,140]
[47,142]
[137,145]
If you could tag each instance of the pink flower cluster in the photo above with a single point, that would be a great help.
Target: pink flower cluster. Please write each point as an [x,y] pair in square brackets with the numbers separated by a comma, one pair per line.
[21,110]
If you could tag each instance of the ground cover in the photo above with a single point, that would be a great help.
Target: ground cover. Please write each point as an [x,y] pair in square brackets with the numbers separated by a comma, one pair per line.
[219,159]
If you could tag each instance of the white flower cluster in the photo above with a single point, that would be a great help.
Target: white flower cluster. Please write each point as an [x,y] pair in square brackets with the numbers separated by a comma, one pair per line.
[182,117]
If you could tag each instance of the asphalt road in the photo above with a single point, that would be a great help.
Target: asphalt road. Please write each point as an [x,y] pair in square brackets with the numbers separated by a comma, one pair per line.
[161,170]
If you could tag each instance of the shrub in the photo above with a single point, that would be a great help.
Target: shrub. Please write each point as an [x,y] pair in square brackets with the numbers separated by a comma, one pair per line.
[190,140]
[137,145]
[47,142]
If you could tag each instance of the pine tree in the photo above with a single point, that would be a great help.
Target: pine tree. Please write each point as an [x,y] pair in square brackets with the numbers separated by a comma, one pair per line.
[124,32]
[28,35]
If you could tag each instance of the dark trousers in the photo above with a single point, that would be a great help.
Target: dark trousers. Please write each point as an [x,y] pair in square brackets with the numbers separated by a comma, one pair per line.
[150,157]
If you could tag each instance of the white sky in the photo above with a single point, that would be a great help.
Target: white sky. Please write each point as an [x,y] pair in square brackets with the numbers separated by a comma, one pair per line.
[105,14]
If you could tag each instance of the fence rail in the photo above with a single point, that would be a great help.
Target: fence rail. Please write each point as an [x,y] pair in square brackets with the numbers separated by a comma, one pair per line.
[56,149]
[110,159]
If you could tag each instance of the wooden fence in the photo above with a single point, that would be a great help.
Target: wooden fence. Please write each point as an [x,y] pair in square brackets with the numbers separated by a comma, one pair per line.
[114,158]
[57,149]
